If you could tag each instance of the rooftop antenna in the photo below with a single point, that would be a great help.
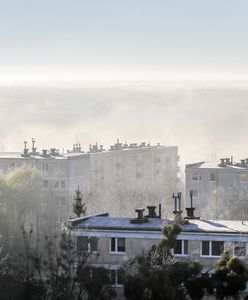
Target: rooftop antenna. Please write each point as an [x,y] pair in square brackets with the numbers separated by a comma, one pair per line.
[177,199]
[33,142]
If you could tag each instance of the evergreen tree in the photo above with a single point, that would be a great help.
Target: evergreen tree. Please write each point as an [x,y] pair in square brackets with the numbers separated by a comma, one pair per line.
[79,208]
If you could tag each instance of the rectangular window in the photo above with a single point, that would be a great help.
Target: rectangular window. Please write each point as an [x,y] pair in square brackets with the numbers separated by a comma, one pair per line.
[212,177]
[62,184]
[196,176]
[205,248]
[181,247]
[117,245]
[196,193]
[217,248]
[88,244]
[240,249]
[45,167]
[45,184]
[56,184]
[212,248]
[117,277]
[243,177]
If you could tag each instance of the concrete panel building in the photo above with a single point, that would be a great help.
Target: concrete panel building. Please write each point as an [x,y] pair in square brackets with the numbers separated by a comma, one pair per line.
[217,185]
[116,240]
[108,179]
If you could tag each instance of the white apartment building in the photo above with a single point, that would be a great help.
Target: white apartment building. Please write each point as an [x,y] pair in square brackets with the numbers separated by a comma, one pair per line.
[99,174]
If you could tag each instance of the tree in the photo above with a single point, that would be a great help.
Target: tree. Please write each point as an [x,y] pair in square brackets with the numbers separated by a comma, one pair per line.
[20,198]
[230,276]
[79,208]
[159,275]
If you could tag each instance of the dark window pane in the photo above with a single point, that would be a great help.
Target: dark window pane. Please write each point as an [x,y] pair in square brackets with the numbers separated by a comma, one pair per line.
[205,248]
[217,248]
[113,277]
[113,244]
[93,243]
[186,247]
[82,243]
[178,247]
[121,245]
[120,276]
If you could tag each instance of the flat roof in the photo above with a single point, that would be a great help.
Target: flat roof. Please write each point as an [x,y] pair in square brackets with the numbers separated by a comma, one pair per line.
[215,165]
[103,222]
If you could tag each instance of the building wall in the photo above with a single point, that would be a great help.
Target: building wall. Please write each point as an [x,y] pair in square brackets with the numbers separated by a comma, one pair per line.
[230,184]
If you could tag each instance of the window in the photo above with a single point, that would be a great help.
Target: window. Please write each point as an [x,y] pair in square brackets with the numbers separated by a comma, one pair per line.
[44,200]
[88,244]
[117,277]
[45,167]
[60,200]
[212,177]
[45,184]
[196,176]
[212,248]
[181,247]
[243,177]
[56,184]
[240,249]
[117,245]
[196,193]
[62,184]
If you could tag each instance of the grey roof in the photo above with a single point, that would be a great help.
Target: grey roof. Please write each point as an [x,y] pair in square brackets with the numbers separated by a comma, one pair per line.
[215,165]
[103,222]
[122,223]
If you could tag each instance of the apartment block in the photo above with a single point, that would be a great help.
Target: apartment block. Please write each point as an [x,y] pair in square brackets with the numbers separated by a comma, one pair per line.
[108,179]
[113,241]
[219,183]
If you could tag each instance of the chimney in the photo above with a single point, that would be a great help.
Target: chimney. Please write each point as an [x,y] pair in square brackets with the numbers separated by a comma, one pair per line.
[242,162]
[190,210]
[222,162]
[151,211]
[246,161]
[25,150]
[140,217]
[158,144]
[53,152]
[44,153]
[159,211]
[228,161]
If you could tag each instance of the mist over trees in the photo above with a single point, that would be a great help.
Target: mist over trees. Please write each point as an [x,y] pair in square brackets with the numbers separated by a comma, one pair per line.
[19,203]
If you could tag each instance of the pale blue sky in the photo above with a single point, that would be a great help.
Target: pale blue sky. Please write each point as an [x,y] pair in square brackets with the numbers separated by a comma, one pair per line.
[131,39]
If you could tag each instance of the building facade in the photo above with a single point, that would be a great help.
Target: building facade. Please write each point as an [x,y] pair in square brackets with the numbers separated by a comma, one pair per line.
[218,186]
[112,242]
[108,179]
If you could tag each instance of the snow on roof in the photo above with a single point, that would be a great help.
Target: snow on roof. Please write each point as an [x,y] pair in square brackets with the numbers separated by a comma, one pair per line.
[214,165]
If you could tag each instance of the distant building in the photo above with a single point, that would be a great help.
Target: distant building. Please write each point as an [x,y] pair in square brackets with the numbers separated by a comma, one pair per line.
[220,183]
[113,241]
[107,179]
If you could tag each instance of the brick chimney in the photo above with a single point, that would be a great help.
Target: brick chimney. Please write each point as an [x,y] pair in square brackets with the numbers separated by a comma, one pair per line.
[140,216]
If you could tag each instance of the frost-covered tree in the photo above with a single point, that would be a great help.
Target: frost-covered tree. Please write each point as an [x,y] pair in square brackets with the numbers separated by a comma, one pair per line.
[79,207]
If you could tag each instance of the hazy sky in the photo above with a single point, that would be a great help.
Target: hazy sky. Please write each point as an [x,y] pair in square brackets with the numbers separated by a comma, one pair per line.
[200,121]
[131,39]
